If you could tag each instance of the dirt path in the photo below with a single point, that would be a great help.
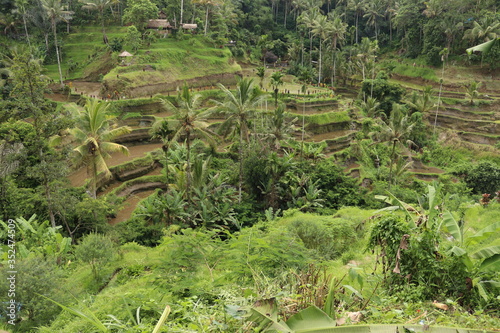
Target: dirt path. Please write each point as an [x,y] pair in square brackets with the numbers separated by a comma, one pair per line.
[129,206]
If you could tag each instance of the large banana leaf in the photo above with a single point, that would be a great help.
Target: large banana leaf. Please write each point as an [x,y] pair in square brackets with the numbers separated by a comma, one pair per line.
[452,227]
[311,319]
[491,264]
[486,252]
[483,233]
[398,329]
[484,47]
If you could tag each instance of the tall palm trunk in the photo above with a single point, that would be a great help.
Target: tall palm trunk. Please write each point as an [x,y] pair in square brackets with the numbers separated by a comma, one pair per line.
[182,13]
[240,157]
[104,37]
[57,50]
[319,65]
[94,175]
[394,141]
[26,31]
[206,21]
[188,166]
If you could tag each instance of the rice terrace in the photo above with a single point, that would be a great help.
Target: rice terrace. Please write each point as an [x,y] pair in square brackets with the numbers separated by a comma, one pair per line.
[250,166]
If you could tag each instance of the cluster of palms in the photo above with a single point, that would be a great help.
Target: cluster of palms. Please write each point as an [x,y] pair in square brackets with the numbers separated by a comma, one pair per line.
[190,180]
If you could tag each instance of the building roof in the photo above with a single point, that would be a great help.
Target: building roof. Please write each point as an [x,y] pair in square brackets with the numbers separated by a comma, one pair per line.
[125,54]
[155,24]
[189,26]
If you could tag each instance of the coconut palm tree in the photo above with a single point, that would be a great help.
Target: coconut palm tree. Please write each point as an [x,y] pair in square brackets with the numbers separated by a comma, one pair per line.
[373,11]
[94,135]
[336,30]
[321,30]
[279,127]
[395,131]
[483,31]
[357,6]
[101,6]
[190,121]
[22,9]
[472,91]
[160,130]
[423,102]
[207,4]
[55,11]
[239,107]
[275,82]
[370,107]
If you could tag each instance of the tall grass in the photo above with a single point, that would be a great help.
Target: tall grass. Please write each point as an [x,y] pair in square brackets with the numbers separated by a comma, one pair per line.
[418,72]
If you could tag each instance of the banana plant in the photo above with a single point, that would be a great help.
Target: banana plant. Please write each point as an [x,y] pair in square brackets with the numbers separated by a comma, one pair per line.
[264,314]
[488,256]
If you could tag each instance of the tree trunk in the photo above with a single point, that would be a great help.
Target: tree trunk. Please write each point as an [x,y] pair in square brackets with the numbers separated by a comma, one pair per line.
[206,21]
[57,51]
[26,31]
[319,65]
[240,158]
[188,166]
[104,37]
[357,18]
[182,13]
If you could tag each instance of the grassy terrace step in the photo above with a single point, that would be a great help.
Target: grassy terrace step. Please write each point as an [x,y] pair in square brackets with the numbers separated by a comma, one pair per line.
[480,138]
[467,114]
[461,124]
[144,183]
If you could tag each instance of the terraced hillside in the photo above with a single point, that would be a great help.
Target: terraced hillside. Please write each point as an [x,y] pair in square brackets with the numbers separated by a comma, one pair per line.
[329,120]
[156,67]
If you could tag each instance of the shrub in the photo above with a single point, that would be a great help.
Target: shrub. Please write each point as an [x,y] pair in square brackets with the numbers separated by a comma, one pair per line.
[96,250]
[484,178]
[36,277]
[329,237]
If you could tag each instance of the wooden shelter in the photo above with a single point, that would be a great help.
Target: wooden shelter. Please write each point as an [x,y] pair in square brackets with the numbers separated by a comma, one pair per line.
[189,26]
[125,54]
[158,24]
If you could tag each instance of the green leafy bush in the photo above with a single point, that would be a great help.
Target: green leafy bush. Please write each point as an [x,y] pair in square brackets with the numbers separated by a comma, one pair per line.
[328,237]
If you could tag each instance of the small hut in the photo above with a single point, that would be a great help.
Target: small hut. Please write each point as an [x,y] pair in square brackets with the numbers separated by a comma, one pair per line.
[125,54]
[189,26]
[161,25]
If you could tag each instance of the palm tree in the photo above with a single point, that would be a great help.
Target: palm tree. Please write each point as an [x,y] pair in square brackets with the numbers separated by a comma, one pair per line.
[279,128]
[472,91]
[370,107]
[372,13]
[337,30]
[261,73]
[101,6]
[207,4]
[190,121]
[160,130]
[55,12]
[483,31]
[239,108]
[357,6]
[424,102]
[94,135]
[395,131]
[321,30]
[307,19]
[22,8]
[275,82]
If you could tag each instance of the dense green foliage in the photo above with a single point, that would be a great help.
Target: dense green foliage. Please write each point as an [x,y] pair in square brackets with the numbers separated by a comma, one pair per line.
[364,186]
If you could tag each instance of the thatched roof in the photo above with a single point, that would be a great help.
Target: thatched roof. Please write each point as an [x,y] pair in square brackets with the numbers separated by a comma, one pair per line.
[189,26]
[125,54]
[156,24]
